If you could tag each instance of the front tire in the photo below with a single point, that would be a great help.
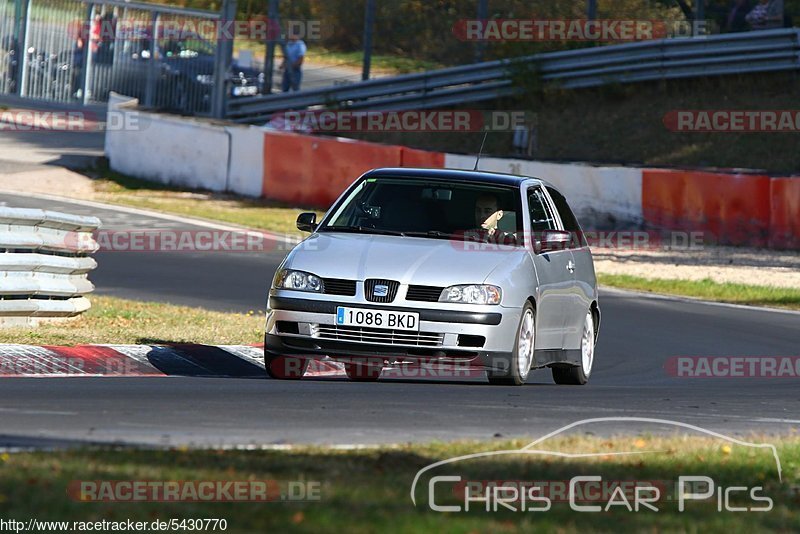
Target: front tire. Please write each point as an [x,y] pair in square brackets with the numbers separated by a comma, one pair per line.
[365,371]
[285,367]
[578,375]
[522,358]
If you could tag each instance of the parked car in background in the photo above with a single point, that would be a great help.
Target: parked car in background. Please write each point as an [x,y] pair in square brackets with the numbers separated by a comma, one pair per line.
[183,73]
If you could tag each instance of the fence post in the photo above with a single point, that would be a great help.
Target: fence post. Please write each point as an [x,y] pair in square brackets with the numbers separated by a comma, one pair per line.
[18,35]
[152,75]
[23,51]
[222,61]
[699,16]
[591,9]
[369,22]
[273,17]
[86,59]
[483,15]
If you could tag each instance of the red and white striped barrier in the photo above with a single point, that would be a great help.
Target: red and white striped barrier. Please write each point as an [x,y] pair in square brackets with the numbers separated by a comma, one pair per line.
[142,360]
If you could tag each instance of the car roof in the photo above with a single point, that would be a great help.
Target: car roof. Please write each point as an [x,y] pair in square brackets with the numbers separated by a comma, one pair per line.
[454,174]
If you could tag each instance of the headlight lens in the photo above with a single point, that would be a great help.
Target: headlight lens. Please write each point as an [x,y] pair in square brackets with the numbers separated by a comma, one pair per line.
[298,281]
[472,294]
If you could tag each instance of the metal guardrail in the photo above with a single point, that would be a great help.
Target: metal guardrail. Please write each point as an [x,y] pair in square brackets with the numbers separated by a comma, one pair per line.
[748,52]
[44,262]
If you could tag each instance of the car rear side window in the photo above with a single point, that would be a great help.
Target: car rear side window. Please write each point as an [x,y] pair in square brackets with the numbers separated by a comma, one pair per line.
[541,217]
[571,224]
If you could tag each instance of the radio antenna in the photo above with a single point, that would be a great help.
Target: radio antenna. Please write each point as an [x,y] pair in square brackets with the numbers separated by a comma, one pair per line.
[480,152]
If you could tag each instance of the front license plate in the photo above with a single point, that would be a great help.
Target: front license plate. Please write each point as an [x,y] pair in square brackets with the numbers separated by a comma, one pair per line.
[377,318]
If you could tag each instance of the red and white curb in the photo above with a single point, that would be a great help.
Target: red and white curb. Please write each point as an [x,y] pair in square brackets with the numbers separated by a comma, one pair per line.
[142,360]
[235,361]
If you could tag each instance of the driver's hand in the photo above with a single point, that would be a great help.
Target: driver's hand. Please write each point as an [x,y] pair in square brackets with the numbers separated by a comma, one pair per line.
[491,222]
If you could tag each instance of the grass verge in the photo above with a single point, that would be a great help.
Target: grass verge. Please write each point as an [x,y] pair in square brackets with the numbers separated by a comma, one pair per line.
[775,297]
[382,63]
[115,320]
[369,490]
[574,125]
[318,55]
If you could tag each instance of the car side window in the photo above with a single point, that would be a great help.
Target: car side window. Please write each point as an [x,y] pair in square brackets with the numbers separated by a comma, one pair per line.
[568,218]
[541,216]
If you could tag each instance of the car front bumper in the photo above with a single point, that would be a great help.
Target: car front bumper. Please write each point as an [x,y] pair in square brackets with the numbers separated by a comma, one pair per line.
[483,338]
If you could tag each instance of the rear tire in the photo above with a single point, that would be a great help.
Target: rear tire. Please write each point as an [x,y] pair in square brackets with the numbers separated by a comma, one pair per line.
[366,371]
[578,375]
[285,367]
[522,358]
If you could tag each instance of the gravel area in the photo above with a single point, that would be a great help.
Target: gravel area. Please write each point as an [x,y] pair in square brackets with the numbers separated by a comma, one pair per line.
[720,264]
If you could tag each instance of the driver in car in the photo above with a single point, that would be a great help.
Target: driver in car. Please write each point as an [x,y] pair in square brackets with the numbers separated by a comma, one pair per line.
[487,217]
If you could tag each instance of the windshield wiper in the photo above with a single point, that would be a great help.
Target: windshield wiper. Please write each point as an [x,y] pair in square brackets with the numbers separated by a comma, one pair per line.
[432,233]
[362,230]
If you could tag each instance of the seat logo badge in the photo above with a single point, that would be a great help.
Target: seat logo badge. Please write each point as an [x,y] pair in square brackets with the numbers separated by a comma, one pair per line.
[380,290]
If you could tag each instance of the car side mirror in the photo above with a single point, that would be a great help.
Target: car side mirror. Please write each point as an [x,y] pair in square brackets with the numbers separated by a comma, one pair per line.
[552,241]
[307,222]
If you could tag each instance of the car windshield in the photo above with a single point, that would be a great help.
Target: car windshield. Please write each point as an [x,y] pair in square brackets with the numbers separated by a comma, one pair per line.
[436,209]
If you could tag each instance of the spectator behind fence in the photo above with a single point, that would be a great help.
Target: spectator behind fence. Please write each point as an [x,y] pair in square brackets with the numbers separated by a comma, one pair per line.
[766,15]
[294,52]
[736,21]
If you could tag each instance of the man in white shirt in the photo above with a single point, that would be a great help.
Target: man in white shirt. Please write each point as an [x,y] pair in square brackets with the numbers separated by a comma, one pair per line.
[294,52]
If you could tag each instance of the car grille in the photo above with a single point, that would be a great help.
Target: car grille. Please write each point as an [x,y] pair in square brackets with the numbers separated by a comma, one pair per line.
[369,290]
[336,286]
[378,335]
[424,293]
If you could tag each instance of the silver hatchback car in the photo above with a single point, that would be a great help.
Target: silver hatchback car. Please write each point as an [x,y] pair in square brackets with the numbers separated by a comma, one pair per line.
[451,268]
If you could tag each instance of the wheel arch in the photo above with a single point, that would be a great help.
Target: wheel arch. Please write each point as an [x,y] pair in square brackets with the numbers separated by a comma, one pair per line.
[595,309]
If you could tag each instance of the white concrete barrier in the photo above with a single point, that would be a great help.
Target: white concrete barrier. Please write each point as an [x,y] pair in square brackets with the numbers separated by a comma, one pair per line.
[602,197]
[184,151]
[246,173]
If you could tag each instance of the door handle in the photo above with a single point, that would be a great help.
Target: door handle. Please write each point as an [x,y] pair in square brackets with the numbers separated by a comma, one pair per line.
[571,266]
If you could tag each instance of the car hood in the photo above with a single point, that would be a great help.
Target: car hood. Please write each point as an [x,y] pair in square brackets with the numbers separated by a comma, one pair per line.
[409,260]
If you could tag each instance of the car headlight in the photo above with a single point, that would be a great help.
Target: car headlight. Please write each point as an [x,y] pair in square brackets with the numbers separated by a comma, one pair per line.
[472,294]
[298,281]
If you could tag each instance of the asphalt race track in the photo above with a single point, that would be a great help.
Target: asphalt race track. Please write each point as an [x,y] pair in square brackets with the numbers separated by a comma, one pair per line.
[638,335]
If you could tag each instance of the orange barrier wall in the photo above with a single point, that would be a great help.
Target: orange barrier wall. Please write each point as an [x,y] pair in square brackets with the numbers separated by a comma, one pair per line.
[411,157]
[734,209]
[731,209]
[784,213]
[313,171]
